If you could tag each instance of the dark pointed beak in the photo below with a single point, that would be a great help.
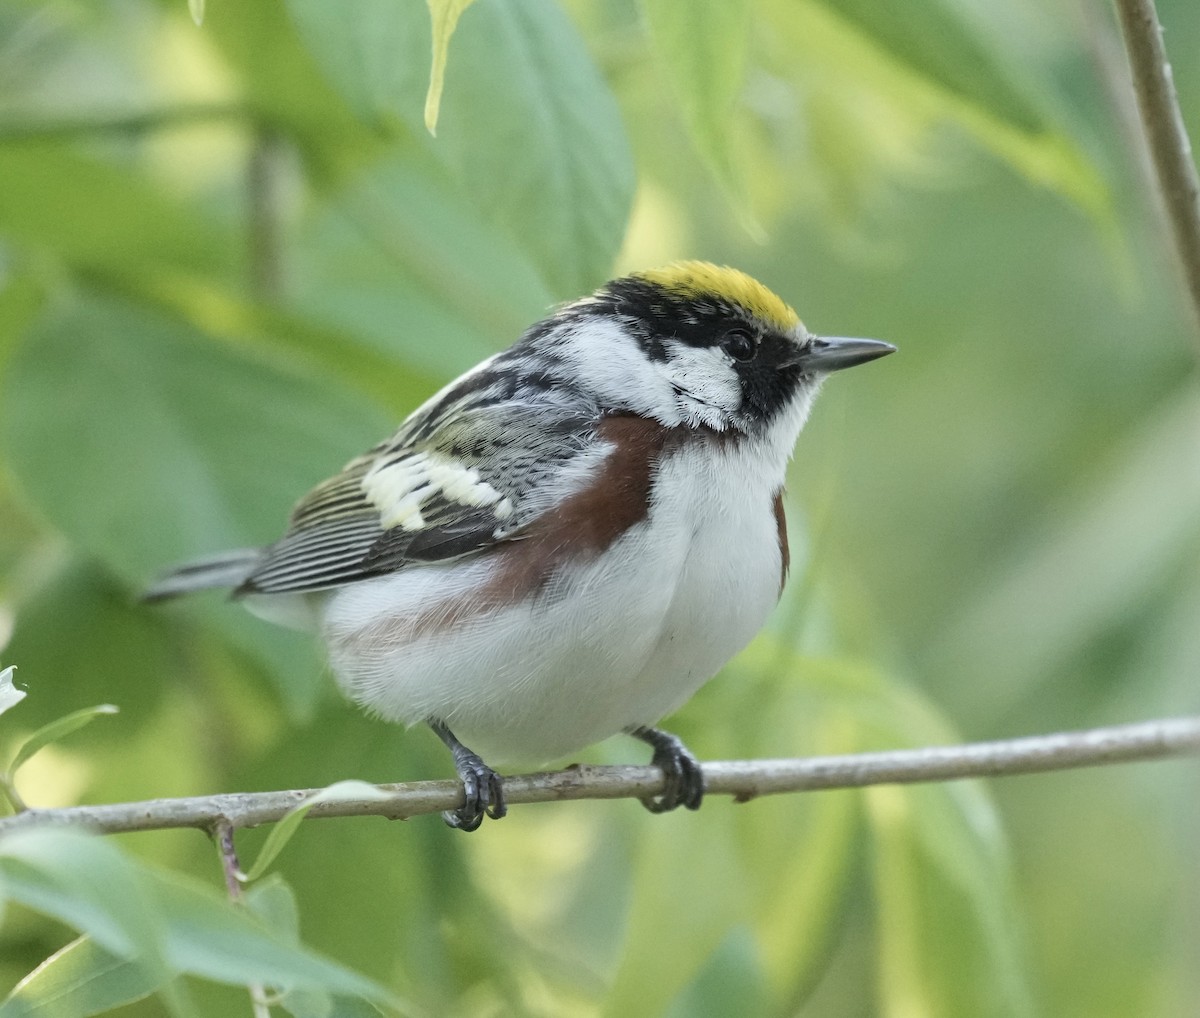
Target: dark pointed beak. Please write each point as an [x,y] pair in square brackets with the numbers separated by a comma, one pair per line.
[823,354]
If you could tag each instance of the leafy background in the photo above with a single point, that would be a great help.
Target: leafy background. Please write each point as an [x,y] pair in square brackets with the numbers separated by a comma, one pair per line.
[232,256]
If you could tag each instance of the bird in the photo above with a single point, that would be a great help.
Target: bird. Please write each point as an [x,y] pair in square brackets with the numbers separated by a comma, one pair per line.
[569,539]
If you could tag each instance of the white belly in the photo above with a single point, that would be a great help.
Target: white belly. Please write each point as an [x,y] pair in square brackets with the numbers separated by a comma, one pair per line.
[631,637]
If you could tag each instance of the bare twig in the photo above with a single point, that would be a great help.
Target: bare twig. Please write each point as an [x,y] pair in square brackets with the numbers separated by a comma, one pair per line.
[743,779]
[222,834]
[1170,149]
[54,128]
[264,191]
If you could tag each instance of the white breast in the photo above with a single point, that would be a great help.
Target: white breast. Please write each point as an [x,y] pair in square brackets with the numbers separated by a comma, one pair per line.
[625,641]
[728,579]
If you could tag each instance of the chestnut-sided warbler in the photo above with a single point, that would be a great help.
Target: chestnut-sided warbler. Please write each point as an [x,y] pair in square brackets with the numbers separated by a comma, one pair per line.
[570,539]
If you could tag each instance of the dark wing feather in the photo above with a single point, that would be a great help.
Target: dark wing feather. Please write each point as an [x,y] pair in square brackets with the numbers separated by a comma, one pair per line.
[460,475]
[473,532]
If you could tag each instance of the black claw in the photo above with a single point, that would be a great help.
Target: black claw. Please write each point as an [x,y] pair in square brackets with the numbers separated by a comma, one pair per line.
[483,788]
[683,779]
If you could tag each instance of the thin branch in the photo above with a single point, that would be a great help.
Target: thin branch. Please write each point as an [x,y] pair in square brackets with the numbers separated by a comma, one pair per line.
[265,213]
[222,835]
[743,779]
[54,128]
[1170,149]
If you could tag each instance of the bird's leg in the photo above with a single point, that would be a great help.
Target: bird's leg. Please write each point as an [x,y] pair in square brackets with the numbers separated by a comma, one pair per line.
[684,780]
[483,789]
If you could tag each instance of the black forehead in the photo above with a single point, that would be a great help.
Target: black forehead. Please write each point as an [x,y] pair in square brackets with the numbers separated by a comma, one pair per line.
[657,314]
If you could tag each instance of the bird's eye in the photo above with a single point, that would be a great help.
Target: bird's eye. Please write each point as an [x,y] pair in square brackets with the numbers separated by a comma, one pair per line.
[739,344]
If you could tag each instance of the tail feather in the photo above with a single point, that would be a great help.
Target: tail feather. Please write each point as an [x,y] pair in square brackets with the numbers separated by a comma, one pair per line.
[228,569]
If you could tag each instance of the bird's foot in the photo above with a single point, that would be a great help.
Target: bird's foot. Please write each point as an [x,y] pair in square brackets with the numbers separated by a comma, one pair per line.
[683,778]
[483,788]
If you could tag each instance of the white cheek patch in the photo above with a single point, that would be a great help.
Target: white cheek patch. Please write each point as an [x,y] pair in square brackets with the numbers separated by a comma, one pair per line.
[615,366]
[399,489]
[706,385]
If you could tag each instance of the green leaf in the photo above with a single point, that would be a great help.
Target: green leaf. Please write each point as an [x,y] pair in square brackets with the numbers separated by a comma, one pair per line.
[373,52]
[398,257]
[444,15]
[81,979]
[348,1007]
[799,854]
[170,446]
[527,127]
[389,380]
[936,42]
[313,1005]
[706,898]
[138,910]
[949,934]
[274,901]
[945,918]
[1087,565]
[10,696]
[56,730]
[981,85]
[282,832]
[948,931]
[87,883]
[196,10]
[558,175]
[173,446]
[98,215]
[211,937]
[22,296]
[283,85]
[731,983]
[415,871]
[702,47]
[798,904]
[79,633]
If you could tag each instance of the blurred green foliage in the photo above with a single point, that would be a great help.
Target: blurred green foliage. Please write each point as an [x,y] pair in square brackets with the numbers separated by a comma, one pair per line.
[231,257]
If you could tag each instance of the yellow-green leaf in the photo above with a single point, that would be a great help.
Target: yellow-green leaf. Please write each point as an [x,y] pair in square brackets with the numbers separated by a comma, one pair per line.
[533,141]
[80,979]
[56,730]
[282,832]
[169,924]
[445,15]
[702,48]
[978,82]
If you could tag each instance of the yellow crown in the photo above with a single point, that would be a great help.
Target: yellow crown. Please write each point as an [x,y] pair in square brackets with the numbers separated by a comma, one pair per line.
[703,279]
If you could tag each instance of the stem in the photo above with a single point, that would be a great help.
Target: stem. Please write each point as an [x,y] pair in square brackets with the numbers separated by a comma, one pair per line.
[1170,148]
[9,791]
[264,187]
[743,779]
[62,128]
[222,834]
